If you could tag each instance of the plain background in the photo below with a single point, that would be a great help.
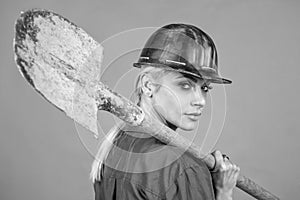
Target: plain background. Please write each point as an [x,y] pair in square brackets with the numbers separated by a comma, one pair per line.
[41,153]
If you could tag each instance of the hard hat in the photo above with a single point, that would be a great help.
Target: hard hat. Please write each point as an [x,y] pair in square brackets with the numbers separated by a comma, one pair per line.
[183,48]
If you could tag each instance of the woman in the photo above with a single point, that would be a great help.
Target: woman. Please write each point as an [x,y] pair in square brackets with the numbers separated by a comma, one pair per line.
[178,65]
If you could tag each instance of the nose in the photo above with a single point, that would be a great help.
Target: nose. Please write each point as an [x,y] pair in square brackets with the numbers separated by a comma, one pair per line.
[199,98]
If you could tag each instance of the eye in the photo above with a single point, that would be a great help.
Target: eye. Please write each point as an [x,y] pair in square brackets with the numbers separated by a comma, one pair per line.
[185,85]
[206,88]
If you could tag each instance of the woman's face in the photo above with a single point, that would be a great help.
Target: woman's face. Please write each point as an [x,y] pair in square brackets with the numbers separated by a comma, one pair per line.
[180,99]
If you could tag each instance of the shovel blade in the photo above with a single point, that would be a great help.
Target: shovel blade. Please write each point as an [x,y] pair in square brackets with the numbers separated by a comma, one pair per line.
[61,62]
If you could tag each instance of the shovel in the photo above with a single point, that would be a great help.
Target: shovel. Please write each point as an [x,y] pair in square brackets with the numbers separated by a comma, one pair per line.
[62,63]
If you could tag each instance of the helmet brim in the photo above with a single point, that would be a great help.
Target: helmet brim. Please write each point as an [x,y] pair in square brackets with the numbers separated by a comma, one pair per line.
[205,74]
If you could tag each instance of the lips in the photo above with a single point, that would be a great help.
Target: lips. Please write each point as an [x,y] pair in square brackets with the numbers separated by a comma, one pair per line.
[194,116]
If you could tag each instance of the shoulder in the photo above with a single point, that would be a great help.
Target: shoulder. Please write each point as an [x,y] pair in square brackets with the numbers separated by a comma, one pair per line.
[169,164]
[142,153]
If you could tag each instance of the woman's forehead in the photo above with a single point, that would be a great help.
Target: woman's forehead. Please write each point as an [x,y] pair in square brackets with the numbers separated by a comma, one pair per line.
[173,75]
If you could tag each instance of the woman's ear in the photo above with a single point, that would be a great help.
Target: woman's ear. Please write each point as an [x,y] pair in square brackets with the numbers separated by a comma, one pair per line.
[147,85]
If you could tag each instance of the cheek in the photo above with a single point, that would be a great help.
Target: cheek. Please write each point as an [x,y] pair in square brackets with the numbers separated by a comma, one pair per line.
[170,104]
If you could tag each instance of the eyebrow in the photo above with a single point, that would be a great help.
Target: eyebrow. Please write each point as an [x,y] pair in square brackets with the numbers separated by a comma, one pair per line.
[189,77]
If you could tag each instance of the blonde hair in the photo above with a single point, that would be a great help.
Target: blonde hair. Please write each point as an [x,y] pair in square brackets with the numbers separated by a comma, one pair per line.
[156,73]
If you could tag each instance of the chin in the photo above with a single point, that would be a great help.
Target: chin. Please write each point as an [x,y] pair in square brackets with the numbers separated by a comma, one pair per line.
[188,126]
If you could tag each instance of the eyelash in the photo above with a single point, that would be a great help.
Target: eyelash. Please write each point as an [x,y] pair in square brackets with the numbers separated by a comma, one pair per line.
[205,88]
[186,84]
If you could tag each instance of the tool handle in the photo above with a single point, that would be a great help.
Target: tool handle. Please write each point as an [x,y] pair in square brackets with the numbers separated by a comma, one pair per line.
[255,190]
[244,183]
